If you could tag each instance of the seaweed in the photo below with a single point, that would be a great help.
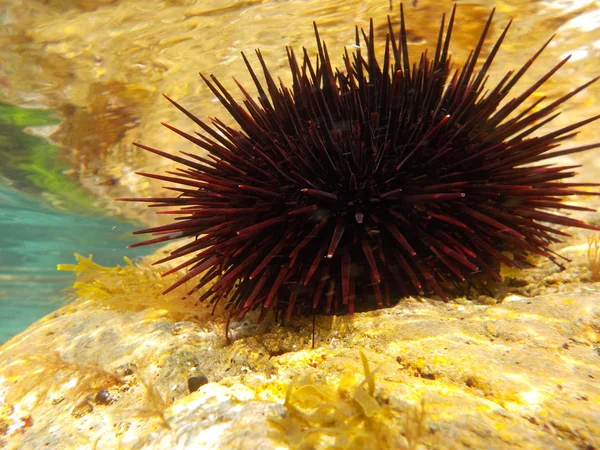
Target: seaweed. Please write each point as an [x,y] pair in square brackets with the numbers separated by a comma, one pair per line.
[132,287]
[83,381]
[593,256]
[34,165]
[75,389]
[346,416]
[154,405]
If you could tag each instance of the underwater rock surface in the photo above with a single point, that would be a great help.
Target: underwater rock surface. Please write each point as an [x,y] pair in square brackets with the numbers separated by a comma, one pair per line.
[518,374]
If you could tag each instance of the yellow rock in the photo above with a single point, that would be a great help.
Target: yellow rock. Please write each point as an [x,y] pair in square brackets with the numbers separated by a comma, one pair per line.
[111,370]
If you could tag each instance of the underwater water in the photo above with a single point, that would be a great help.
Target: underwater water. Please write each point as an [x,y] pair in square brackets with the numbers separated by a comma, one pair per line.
[91,74]
[35,238]
[45,218]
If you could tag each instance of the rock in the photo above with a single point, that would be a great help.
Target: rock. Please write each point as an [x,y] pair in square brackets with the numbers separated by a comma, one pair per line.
[518,374]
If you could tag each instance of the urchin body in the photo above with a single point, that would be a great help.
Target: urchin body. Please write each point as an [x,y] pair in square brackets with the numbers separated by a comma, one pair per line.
[359,186]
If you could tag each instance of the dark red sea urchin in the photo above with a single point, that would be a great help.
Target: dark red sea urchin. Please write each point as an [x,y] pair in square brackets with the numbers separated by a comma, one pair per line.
[357,187]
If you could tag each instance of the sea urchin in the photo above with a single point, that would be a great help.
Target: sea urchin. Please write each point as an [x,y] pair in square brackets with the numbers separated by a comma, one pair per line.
[358,186]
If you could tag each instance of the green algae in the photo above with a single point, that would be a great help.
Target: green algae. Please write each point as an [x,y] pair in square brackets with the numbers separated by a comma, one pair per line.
[32,165]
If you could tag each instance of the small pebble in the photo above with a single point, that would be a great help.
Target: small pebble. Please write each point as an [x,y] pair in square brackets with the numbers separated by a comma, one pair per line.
[195,382]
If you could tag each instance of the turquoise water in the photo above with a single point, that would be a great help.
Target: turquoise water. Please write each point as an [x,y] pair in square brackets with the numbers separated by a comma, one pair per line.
[34,239]
[35,236]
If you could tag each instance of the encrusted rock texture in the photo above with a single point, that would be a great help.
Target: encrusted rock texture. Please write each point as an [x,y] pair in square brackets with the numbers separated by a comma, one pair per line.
[518,372]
